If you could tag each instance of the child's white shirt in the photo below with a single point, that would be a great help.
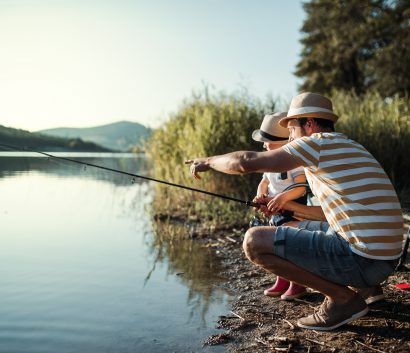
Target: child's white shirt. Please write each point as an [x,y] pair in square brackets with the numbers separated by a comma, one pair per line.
[278,182]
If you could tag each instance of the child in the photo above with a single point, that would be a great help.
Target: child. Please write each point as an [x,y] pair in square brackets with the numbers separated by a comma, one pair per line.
[277,186]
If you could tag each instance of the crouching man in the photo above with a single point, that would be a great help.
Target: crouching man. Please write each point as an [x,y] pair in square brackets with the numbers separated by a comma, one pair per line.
[360,247]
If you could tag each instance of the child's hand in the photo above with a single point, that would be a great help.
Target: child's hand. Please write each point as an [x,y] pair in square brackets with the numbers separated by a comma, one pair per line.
[259,198]
[276,204]
[263,200]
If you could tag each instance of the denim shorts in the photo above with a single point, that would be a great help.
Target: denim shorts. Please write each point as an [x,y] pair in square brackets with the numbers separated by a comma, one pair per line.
[315,247]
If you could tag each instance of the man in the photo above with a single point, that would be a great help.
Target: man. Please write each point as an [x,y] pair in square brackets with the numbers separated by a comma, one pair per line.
[364,239]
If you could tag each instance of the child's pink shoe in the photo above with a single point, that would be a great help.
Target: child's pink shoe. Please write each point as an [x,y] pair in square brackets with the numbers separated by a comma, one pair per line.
[294,291]
[280,287]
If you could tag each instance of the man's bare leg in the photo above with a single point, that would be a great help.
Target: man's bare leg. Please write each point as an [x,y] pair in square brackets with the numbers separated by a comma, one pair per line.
[258,247]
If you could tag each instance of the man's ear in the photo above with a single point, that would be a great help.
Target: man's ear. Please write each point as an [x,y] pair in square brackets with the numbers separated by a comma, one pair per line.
[310,122]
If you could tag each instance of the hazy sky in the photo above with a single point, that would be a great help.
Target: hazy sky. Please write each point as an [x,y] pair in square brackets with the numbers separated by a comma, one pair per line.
[78,63]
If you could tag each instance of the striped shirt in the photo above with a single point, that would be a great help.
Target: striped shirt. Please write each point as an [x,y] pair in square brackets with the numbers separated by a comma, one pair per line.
[354,192]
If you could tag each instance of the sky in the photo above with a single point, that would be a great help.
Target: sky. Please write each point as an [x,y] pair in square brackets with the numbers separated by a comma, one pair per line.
[82,63]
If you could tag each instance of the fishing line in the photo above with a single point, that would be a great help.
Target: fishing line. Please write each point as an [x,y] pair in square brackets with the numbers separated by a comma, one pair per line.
[247,203]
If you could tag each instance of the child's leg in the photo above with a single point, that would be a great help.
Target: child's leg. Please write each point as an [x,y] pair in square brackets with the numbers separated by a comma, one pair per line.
[294,291]
[280,287]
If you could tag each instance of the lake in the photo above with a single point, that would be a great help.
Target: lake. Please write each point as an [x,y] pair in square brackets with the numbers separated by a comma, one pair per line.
[83,268]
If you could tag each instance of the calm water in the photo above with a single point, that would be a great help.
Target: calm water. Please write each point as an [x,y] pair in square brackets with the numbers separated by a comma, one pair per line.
[83,269]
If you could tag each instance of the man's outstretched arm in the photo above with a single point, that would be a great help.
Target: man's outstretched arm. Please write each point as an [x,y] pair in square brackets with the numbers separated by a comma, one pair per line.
[242,162]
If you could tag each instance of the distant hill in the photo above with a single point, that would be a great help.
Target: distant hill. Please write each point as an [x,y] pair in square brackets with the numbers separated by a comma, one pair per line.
[120,136]
[31,140]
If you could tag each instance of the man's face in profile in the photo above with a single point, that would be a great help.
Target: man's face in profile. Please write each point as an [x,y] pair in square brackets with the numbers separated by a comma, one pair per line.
[295,130]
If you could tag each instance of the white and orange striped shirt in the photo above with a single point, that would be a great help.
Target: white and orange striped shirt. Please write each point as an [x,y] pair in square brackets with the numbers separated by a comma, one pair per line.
[354,192]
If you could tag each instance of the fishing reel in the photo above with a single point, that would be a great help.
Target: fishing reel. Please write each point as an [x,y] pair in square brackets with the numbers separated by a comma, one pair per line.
[257,222]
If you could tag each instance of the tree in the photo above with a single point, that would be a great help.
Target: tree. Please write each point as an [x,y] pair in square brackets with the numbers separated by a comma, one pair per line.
[352,45]
[390,66]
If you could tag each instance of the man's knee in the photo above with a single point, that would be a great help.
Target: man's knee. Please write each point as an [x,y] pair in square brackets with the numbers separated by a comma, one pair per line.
[258,240]
[249,242]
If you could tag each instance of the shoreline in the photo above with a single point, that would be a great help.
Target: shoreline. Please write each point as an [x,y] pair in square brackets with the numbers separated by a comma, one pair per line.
[256,323]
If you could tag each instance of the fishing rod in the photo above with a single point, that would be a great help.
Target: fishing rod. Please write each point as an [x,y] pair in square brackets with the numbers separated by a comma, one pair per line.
[25,149]
[225,197]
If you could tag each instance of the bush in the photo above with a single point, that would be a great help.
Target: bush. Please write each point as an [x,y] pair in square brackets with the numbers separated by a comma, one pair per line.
[206,125]
[215,124]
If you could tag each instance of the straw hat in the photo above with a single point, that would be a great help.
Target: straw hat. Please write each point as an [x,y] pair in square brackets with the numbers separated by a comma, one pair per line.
[270,130]
[309,105]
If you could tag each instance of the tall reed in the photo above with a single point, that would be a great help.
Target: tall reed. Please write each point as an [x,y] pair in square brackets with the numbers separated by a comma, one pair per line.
[206,124]
[211,124]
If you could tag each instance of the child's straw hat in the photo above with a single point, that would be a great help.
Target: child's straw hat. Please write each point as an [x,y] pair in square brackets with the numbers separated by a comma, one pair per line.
[270,130]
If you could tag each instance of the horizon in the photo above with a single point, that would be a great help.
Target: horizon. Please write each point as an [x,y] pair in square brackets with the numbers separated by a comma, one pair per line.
[79,64]
[76,127]
[92,127]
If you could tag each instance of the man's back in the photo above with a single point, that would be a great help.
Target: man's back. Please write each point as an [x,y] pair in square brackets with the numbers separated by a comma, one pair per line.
[355,193]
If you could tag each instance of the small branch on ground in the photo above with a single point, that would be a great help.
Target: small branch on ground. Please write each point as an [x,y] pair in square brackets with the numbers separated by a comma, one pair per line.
[370,347]
[238,316]
[289,323]
[232,240]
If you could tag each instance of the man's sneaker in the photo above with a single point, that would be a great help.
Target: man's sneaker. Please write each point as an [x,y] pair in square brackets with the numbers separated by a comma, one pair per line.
[331,315]
[280,287]
[371,294]
[294,291]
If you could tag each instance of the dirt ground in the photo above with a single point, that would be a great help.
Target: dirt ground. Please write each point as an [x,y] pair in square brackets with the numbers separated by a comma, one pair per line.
[257,323]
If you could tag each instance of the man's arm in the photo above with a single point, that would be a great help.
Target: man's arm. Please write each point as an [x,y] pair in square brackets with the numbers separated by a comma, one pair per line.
[242,162]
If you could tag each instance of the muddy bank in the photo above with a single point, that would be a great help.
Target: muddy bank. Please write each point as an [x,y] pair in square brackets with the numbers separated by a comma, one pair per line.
[257,323]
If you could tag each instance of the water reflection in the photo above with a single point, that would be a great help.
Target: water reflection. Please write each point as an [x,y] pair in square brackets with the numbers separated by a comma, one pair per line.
[20,163]
[195,265]
[83,268]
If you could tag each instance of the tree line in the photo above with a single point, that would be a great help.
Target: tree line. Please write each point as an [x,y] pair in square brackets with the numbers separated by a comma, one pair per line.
[356,45]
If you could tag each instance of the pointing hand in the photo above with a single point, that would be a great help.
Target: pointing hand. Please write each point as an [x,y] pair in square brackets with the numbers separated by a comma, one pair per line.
[198,165]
